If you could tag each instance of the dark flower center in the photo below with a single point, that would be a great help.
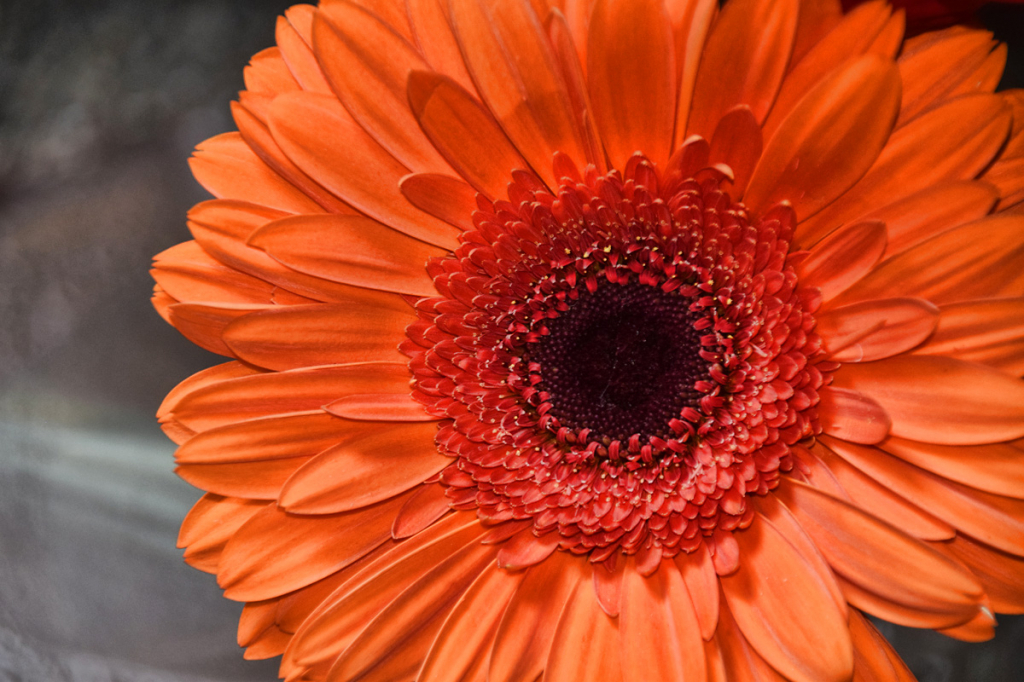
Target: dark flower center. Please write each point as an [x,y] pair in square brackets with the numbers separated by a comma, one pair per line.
[621,361]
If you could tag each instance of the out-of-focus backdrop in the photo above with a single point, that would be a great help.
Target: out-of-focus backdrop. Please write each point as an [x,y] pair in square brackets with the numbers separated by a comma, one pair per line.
[101,103]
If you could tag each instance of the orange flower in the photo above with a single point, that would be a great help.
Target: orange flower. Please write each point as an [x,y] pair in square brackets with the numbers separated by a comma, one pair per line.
[611,340]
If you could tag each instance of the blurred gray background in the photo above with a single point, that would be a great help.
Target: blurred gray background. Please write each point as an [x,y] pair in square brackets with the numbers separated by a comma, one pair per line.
[101,104]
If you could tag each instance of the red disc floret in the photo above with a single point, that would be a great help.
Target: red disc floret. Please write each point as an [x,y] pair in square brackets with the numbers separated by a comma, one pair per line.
[622,361]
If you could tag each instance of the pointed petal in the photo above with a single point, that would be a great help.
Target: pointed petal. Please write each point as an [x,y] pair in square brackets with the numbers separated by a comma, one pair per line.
[842,258]
[817,18]
[323,139]
[257,480]
[812,159]
[524,637]
[305,336]
[298,55]
[989,332]
[873,659]
[442,196]
[468,634]
[996,468]
[594,652]
[978,260]
[954,141]
[691,23]
[631,72]
[936,399]
[209,525]
[702,584]
[434,38]
[511,62]
[526,549]
[200,380]
[250,395]
[426,506]
[268,73]
[188,273]
[379,407]
[1001,574]
[873,330]
[785,610]
[364,470]
[882,560]
[608,586]
[993,519]
[275,552]
[352,250]
[737,143]
[743,61]
[464,132]
[204,324]
[852,416]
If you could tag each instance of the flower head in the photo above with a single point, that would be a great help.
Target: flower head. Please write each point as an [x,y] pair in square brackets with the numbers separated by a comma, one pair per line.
[611,340]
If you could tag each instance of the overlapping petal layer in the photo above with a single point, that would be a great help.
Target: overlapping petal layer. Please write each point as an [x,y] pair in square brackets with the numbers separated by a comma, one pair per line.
[442,224]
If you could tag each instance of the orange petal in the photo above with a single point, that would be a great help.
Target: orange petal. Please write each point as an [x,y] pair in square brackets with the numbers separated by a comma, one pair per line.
[335,624]
[785,610]
[524,637]
[267,73]
[252,125]
[986,332]
[842,258]
[631,73]
[379,407]
[511,62]
[352,250]
[743,61]
[436,41]
[442,196]
[271,642]
[812,159]
[393,645]
[255,619]
[933,71]
[221,228]
[691,22]
[702,584]
[731,658]
[981,628]
[257,480]
[367,65]
[977,260]
[247,396]
[199,380]
[204,324]
[993,519]
[295,50]
[659,603]
[294,435]
[323,139]
[1001,574]
[873,659]
[209,525]
[188,273]
[464,132]
[933,210]
[594,652]
[867,493]
[737,143]
[954,141]
[817,18]
[427,505]
[229,169]
[872,330]
[468,634]
[275,552]
[996,468]
[852,416]
[305,336]
[608,586]
[850,38]
[1006,174]
[364,470]
[525,549]
[882,560]
[936,399]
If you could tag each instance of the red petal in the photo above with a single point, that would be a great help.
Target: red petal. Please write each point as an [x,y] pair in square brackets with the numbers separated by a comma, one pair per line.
[785,610]
[305,336]
[830,139]
[351,250]
[631,72]
[364,470]
[935,399]
[872,330]
[743,61]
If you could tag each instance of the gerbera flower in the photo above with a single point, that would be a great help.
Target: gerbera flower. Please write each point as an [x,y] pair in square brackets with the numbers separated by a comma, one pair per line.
[612,340]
